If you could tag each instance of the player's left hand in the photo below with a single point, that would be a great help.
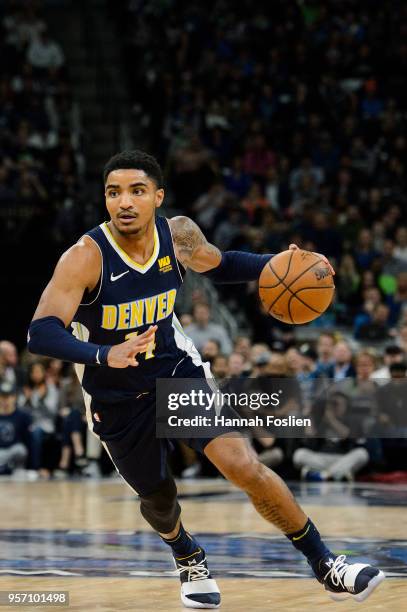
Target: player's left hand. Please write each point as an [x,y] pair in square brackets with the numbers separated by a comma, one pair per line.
[294,247]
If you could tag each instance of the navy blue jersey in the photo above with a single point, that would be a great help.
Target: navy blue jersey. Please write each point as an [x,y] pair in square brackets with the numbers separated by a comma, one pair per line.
[127,300]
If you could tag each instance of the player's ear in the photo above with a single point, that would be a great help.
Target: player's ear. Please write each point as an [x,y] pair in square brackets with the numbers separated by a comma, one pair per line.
[159,197]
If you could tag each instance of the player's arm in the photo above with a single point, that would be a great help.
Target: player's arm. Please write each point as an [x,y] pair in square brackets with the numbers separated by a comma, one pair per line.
[194,251]
[78,269]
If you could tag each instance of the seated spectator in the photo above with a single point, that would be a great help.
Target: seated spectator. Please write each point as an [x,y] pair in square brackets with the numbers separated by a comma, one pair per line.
[12,372]
[377,329]
[365,254]
[397,301]
[71,427]
[342,366]
[210,350]
[236,365]
[325,350]
[333,454]
[400,250]
[401,338]
[348,281]
[220,368]
[243,346]
[236,180]
[392,354]
[371,299]
[392,417]
[14,431]
[44,53]
[308,377]
[203,329]
[254,203]
[41,400]
[390,264]
[361,390]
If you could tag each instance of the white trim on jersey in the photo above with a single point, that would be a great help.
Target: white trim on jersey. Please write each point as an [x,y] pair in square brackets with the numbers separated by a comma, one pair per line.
[173,248]
[82,333]
[186,344]
[142,268]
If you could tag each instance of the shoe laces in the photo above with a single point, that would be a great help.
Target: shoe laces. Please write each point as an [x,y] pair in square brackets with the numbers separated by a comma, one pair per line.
[337,571]
[195,571]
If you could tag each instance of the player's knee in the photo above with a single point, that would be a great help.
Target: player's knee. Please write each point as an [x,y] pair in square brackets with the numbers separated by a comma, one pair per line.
[161,508]
[242,469]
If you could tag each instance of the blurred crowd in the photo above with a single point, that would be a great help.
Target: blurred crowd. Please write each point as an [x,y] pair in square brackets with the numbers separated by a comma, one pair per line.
[348,390]
[284,122]
[41,164]
[275,122]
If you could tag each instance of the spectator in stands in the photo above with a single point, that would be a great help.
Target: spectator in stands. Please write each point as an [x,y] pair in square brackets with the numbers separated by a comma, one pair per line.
[14,431]
[400,250]
[392,407]
[236,365]
[377,328]
[72,428]
[45,53]
[210,350]
[325,350]
[365,253]
[334,454]
[342,367]
[203,329]
[41,400]
[243,345]
[392,354]
[401,338]
[12,372]
[220,368]
[361,390]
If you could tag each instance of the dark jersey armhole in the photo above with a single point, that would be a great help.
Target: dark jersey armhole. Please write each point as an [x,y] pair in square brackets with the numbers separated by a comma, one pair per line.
[90,296]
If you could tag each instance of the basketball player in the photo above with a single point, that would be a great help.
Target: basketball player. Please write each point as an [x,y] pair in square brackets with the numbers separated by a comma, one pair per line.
[116,287]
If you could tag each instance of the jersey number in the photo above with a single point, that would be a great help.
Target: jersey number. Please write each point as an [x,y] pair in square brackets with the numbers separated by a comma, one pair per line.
[149,352]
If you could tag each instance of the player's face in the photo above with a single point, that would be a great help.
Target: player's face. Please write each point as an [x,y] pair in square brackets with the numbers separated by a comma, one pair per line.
[131,199]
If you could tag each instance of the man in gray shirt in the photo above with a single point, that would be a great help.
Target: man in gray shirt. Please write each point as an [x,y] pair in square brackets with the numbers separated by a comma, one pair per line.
[203,329]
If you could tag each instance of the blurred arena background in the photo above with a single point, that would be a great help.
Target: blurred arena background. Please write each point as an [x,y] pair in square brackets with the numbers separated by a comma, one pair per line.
[283,124]
[275,122]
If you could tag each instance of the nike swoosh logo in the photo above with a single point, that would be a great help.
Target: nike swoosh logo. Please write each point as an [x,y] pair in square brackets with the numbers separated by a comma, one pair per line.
[115,278]
[302,535]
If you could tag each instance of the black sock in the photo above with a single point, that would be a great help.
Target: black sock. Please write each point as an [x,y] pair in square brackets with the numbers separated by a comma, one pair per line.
[183,545]
[308,541]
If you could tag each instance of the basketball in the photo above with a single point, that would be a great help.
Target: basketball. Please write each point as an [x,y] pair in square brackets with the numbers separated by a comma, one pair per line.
[296,286]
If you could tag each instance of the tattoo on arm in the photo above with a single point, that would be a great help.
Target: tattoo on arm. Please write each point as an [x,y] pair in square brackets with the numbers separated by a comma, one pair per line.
[188,238]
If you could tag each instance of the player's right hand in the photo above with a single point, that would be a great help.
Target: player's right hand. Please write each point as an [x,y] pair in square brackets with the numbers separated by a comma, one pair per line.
[124,355]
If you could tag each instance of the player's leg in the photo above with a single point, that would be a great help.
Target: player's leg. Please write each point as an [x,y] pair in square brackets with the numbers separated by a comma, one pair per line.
[129,436]
[271,497]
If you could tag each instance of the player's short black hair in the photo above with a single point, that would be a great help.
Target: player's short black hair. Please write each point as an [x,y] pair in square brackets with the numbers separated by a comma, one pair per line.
[139,160]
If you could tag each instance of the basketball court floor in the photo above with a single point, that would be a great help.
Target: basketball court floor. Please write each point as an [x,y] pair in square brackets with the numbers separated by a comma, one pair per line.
[88,538]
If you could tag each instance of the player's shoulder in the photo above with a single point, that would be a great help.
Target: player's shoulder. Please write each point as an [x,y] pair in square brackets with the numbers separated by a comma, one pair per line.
[182,226]
[82,258]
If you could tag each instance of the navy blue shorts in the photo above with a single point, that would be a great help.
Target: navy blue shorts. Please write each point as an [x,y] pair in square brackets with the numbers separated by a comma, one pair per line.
[128,430]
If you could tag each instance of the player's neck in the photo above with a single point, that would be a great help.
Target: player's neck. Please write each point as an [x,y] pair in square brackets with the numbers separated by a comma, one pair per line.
[138,246]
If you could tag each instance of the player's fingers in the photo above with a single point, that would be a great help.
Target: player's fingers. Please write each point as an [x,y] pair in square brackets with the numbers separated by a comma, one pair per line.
[293,247]
[132,361]
[139,347]
[149,332]
[326,260]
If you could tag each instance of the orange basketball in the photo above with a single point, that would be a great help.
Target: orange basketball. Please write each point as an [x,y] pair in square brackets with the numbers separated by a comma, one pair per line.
[296,286]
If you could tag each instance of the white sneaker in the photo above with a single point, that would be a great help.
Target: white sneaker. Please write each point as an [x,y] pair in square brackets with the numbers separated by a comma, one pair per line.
[343,580]
[198,588]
